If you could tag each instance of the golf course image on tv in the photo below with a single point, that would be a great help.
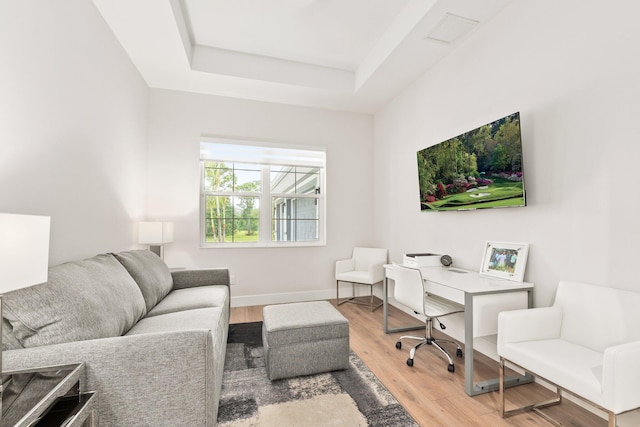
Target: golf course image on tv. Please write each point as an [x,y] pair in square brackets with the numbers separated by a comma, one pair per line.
[479,169]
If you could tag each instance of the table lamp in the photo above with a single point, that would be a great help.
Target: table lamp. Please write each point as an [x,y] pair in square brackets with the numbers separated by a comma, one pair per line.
[24,256]
[155,234]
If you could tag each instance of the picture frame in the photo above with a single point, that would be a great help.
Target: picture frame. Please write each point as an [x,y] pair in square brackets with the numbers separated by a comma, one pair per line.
[505,260]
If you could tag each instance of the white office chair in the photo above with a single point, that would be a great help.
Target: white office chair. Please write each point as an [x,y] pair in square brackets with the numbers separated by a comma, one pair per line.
[410,290]
[365,267]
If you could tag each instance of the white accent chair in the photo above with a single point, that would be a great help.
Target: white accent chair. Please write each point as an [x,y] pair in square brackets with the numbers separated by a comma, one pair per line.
[365,267]
[586,344]
[409,290]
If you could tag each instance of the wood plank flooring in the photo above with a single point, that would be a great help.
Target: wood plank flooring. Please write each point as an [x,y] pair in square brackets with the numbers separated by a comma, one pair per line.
[431,394]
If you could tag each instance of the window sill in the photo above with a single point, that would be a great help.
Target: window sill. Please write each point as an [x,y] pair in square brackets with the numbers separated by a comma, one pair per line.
[260,245]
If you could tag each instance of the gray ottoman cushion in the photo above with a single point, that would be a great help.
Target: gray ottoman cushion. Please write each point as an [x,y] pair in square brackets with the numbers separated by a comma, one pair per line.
[303,339]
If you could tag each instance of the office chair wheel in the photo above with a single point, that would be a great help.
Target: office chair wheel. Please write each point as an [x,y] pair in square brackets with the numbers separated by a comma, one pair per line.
[410,362]
[451,368]
[459,353]
[399,345]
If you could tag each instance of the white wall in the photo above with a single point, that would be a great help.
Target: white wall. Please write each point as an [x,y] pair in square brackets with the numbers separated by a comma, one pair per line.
[178,120]
[72,126]
[73,135]
[571,68]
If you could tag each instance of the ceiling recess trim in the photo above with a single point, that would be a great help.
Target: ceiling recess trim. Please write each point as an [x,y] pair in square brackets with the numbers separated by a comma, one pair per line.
[214,60]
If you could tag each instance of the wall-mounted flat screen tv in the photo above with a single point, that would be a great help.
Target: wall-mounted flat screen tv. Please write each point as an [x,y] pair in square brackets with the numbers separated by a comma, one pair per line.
[479,169]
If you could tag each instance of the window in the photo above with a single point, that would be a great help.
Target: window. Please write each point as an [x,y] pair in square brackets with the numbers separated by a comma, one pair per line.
[261,195]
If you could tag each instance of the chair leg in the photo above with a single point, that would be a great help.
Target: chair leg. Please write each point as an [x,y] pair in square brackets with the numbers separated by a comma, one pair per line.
[347,299]
[429,340]
[352,298]
[501,387]
[434,342]
[410,337]
[556,400]
[445,352]
[377,306]
[412,352]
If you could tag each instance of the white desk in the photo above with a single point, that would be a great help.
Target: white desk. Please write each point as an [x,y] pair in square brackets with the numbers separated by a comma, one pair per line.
[462,286]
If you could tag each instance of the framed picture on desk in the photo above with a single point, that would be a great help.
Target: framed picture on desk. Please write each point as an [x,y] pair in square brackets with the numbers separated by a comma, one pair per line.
[505,260]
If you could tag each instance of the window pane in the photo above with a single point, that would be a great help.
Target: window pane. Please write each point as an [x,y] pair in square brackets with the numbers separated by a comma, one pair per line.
[218,219]
[294,208]
[247,219]
[218,176]
[306,230]
[298,180]
[229,177]
[283,181]
[306,209]
[247,177]
[294,219]
[307,180]
[294,230]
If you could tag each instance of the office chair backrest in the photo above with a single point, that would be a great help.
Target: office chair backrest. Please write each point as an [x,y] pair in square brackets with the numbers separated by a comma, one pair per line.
[364,257]
[409,288]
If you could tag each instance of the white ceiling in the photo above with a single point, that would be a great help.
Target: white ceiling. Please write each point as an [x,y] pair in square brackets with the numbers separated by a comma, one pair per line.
[350,55]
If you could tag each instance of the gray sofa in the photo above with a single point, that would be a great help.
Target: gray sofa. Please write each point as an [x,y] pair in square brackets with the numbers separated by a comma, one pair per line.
[153,341]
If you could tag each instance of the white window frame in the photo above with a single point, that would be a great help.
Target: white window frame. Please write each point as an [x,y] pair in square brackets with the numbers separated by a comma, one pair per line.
[264,154]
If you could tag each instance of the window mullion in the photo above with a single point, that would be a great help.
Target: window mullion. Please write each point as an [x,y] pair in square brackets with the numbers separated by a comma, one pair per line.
[265,206]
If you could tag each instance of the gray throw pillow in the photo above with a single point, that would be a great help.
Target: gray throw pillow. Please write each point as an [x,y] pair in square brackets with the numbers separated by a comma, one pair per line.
[81,300]
[9,340]
[150,273]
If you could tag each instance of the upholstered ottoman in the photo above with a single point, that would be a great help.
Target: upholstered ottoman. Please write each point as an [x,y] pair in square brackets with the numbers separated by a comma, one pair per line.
[303,339]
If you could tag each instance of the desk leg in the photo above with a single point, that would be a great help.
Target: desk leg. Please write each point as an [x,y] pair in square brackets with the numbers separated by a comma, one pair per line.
[493,384]
[468,344]
[385,312]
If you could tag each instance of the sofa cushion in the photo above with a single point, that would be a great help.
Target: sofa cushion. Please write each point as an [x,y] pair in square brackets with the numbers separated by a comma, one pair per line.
[149,272]
[190,298]
[203,318]
[92,298]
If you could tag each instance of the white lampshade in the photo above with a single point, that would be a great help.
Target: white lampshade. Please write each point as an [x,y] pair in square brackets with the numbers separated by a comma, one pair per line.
[24,251]
[155,232]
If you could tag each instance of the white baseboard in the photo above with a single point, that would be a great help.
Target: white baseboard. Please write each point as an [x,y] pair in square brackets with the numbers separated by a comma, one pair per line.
[314,295]
[250,300]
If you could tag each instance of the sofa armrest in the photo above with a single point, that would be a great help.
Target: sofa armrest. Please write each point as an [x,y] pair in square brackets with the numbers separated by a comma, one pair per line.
[345,265]
[528,325]
[201,277]
[140,379]
[621,376]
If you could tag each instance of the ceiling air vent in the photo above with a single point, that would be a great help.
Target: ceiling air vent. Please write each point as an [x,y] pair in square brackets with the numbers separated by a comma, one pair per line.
[451,28]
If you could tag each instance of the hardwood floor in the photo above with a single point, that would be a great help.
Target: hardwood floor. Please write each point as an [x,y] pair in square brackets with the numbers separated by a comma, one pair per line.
[431,394]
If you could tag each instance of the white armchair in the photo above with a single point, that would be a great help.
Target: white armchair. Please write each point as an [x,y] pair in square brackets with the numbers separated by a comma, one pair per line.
[365,267]
[587,344]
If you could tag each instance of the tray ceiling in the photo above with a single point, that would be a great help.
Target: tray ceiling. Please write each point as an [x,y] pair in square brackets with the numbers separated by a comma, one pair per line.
[350,55]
